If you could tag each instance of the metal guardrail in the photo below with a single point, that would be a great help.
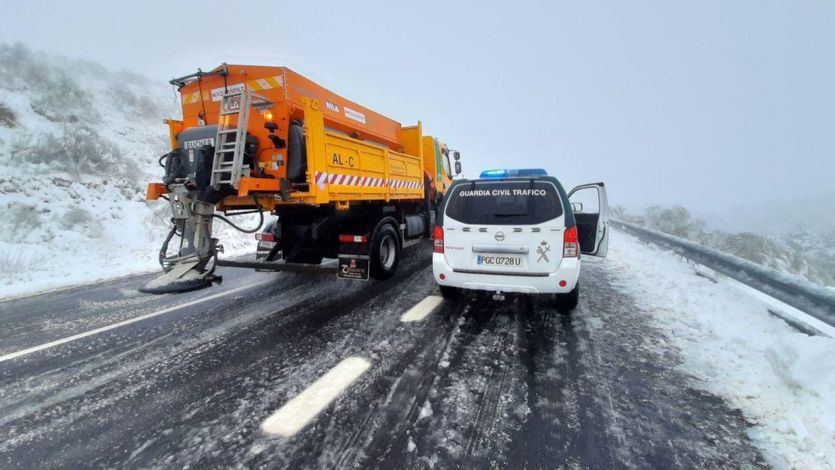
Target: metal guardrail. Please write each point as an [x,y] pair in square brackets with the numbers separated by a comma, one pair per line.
[816,301]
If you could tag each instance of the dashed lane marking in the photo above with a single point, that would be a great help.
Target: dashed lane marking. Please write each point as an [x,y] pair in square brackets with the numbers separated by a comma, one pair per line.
[102,329]
[301,410]
[422,309]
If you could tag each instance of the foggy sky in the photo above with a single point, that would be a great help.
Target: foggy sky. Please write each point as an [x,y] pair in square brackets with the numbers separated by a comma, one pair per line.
[705,103]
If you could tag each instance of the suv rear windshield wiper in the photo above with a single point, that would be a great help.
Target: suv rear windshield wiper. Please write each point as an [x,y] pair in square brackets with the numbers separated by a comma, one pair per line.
[511,215]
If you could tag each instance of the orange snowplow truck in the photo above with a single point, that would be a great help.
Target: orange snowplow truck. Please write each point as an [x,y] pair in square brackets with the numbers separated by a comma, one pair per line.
[345,182]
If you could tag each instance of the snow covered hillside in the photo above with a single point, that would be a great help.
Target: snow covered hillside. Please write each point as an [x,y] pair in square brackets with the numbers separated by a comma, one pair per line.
[782,380]
[78,143]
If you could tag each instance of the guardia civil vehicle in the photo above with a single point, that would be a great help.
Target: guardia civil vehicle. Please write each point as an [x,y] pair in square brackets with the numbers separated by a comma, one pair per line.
[518,231]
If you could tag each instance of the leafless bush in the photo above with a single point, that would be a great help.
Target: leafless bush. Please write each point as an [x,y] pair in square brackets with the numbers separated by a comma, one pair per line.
[12,262]
[674,220]
[78,149]
[74,218]
[7,116]
[23,217]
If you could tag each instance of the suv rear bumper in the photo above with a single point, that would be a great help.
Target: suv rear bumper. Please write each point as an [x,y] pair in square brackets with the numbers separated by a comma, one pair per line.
[568,271]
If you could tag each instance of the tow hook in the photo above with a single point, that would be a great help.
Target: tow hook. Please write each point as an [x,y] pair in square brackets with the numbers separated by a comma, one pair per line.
[498,296]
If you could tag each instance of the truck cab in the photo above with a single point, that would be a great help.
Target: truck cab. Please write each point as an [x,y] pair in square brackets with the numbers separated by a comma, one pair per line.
[441,163]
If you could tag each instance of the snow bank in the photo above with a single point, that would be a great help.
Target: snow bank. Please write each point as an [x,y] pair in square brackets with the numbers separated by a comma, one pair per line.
[78,143]
[782,380]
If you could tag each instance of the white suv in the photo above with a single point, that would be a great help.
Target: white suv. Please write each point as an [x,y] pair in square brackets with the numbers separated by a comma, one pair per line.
[515,231]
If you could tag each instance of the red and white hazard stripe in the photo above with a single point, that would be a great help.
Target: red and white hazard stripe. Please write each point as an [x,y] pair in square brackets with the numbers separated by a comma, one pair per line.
[323,178]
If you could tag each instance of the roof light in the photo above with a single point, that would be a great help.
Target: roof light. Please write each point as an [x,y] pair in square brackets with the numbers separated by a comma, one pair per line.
[494,174]
[514,173]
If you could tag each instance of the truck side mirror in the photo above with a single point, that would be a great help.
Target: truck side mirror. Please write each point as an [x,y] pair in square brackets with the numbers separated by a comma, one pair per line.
[457,167]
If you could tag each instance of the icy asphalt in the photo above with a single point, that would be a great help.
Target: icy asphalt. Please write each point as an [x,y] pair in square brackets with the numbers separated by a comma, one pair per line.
[476,384]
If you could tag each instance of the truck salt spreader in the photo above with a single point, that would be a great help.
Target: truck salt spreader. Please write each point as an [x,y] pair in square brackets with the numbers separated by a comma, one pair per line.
[344,181]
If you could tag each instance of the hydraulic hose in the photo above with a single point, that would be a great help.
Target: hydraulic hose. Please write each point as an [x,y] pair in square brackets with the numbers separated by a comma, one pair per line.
[260,212]
[163,158]
[236,227]
[164,248]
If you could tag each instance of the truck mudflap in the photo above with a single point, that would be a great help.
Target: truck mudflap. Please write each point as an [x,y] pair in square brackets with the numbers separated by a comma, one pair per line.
[354,258]
[355,267]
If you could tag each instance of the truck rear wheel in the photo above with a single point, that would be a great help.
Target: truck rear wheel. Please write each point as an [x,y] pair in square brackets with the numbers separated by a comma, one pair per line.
[385,252]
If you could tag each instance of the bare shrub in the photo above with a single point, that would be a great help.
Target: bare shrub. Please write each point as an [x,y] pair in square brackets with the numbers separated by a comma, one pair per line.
[65,103]
[12,262]
[75,217]
[79,149]
[674,220]
[147,108]
[23,217]
[7,116]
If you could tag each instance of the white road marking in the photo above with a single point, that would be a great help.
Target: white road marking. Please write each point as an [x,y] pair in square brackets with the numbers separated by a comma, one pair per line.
[423,308]
[102,329]
[298,412]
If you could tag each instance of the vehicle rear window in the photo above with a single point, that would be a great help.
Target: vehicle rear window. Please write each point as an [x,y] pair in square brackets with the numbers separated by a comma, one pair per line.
[504,203]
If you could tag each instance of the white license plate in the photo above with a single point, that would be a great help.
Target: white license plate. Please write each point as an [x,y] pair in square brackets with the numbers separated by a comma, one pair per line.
[266,245]
[498,260]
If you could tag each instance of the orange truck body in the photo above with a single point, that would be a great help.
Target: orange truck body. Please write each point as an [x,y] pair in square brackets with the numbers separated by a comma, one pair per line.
[353,153]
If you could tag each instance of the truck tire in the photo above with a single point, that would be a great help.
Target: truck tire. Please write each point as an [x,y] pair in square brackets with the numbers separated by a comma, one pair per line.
[565,303]
[385,252]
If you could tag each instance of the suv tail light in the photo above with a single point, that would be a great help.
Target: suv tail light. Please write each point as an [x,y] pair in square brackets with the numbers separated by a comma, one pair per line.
[438,236]
[570,243]
[265,237]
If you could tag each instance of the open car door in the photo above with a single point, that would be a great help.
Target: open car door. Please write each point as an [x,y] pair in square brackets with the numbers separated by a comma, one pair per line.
[591,212]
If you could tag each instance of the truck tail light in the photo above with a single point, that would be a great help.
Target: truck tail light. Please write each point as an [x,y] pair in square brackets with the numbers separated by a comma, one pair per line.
[347,238]
[438,236]
[265,237]
[570,244]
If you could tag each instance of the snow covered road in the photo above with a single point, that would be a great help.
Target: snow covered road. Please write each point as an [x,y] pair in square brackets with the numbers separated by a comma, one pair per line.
[474,383]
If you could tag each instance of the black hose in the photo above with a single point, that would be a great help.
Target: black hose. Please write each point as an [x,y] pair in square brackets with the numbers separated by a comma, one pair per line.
[164,248]
[260,223]
[236,227]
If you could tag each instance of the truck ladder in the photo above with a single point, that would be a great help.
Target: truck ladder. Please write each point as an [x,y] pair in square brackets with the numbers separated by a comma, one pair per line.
[230,142]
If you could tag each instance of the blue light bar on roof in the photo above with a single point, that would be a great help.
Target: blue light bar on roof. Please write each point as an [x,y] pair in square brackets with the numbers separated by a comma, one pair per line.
[514,173]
